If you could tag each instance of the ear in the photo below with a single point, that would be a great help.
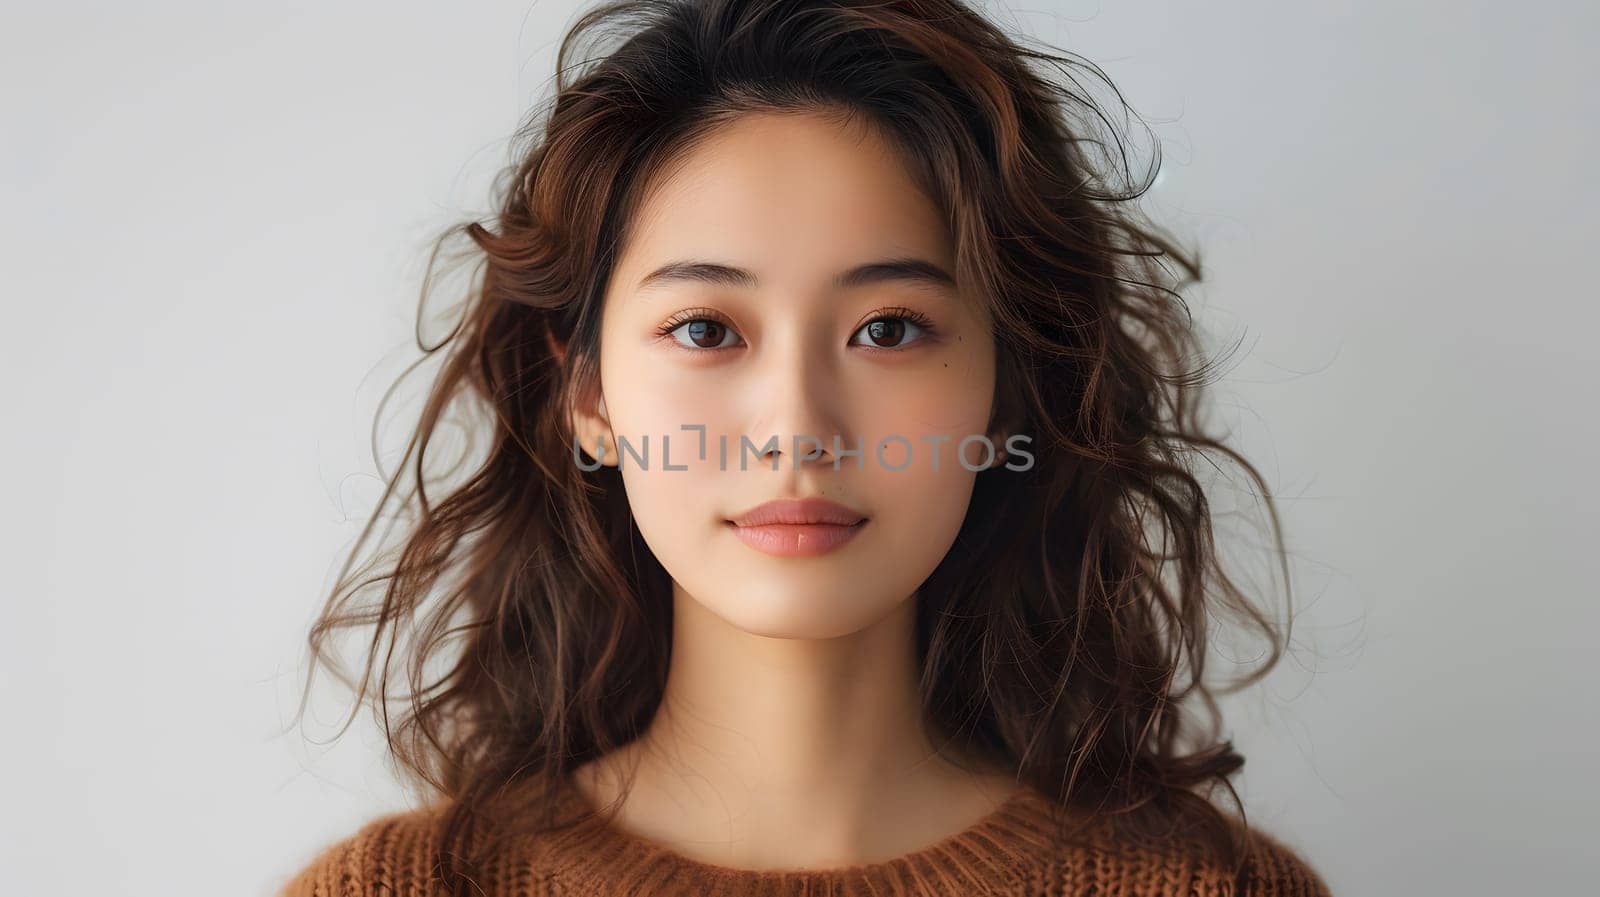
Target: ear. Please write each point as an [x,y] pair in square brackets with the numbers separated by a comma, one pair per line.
[558,349]
[587,418]
[997,437]
[592,426]
[1003,424]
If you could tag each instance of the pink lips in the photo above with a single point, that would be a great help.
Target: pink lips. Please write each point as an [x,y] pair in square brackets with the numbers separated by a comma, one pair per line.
[797,528]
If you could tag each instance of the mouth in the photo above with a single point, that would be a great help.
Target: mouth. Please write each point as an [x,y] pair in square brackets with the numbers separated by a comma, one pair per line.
[799,512]
[796,539]
[797,528]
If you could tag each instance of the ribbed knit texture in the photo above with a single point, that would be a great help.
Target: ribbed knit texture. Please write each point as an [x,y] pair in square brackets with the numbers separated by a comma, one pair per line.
[1008,852]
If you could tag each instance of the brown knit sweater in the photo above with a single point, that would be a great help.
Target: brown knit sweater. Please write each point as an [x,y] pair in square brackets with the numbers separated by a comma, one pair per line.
[1008,852]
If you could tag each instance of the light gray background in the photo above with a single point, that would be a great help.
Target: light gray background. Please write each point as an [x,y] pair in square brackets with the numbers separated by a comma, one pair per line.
[214,222]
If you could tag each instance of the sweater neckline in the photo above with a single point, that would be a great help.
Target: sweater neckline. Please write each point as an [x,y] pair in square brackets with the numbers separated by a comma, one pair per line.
[992,855]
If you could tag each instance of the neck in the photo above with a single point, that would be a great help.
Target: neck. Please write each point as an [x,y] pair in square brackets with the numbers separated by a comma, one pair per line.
[769,752]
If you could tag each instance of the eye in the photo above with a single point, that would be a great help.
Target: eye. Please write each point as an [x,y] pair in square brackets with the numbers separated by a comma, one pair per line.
[894,329]
[700,329]
[708,330]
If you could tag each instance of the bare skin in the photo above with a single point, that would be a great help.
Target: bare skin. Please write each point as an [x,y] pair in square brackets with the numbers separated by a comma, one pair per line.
[790,732]
[807,758]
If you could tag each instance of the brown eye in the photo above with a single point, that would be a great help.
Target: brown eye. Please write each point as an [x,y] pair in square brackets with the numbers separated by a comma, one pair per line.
[886,332]
[890,332]
[703,333]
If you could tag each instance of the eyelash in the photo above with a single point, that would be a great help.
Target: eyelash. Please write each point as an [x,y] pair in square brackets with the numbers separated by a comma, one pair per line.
[898,312]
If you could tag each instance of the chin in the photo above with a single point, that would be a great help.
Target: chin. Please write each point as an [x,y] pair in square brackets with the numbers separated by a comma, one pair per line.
[787,610]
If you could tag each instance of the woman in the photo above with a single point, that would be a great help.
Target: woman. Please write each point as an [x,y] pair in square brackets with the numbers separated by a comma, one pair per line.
[837,531]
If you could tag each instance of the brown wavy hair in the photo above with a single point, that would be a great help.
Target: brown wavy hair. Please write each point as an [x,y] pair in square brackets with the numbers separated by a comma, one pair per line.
[532,624]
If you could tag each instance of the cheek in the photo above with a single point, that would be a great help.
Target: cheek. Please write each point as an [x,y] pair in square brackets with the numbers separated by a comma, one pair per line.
[921,419]
[678,484]
[677,496]
[918,485]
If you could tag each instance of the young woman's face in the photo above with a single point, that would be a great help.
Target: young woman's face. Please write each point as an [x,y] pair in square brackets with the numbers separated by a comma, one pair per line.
[783,340]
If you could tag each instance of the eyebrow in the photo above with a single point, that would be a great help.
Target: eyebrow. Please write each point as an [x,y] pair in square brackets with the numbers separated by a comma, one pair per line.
[907,269]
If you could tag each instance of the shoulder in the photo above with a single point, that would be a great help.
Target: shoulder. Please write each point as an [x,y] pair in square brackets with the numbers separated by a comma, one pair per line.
[377,858]
[1167,868]
[1274,869]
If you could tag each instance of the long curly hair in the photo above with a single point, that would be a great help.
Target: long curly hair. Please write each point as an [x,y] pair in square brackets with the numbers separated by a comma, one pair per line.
[1066,631]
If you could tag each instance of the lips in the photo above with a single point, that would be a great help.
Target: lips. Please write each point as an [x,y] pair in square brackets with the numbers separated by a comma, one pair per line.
[799,512]
[797,528]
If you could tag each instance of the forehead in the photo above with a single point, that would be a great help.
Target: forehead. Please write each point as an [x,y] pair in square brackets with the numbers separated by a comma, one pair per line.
[793,195]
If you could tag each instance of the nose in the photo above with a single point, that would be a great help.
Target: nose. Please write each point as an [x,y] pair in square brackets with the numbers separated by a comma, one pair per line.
[798,394]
